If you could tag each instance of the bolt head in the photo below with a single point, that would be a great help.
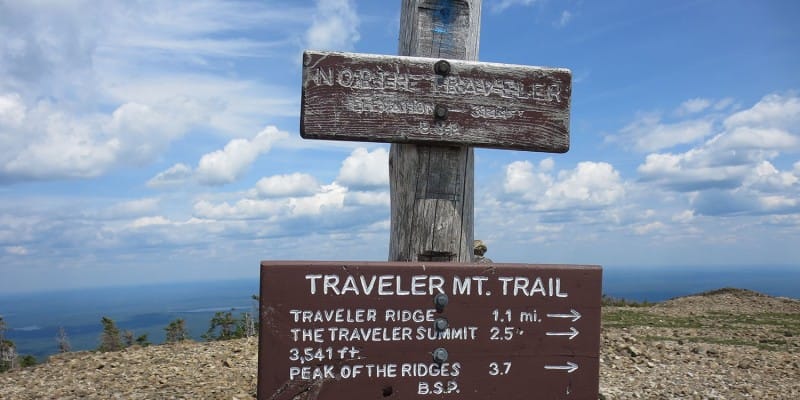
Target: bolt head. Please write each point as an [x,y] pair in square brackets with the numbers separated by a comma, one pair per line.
[441,324]
[440,355]
[441,67]
[440,301]
[440,111]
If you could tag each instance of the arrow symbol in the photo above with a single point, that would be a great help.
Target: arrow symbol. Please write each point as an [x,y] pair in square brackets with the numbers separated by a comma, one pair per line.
[572,314]
[570,367]
[572,333]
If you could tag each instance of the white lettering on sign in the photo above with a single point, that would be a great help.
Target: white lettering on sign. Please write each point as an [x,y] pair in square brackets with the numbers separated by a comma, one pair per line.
[374,334]
[308,335]
[387,370]
[439,129]
[410,315]
[376,79]
[383,285]
[505,88]
[437,388]
[371,105]
[340,315]
[418,285]
[464,285]
[524,286]
[366,79]
[463,333]
[493,112]
[309,373]
[333,343]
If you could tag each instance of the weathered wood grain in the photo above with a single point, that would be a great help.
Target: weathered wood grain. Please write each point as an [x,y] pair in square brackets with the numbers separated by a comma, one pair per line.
[376,98]
[432,197]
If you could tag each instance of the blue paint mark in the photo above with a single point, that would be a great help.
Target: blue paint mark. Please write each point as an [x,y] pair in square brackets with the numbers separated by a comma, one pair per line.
[443,17]
[445,14]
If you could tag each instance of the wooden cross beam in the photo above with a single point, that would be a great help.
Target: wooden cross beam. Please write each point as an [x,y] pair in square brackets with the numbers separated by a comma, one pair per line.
[434,102]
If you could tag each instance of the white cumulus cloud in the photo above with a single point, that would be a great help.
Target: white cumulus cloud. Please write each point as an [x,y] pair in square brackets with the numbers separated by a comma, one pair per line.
[296,184]
[364,168]
[501,5]
[773,111]
[227,165]
[589,185]
[220,166]
[735,172]
[648,133]
[648,228]
[757,138]
[17,250]
[293,203]
[334,26]
[131,208]
[562,21]
[172,176]
[12,110]
[86,88]
[693,106]
[521,178]
[150,221]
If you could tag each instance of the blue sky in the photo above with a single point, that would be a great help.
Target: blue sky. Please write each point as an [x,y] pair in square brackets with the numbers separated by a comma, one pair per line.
[158,141]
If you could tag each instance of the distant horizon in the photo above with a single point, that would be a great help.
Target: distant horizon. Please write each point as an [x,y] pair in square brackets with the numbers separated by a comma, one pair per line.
[33,318]
[255,278]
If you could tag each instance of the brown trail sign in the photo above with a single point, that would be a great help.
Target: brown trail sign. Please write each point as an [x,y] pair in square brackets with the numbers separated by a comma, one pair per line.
[339,330]
[374,98]
[375,330]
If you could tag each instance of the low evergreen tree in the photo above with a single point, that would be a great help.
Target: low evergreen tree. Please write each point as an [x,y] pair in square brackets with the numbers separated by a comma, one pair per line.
[127,338]
[27,361]
[176,331]
[225,327]
[110,338]
[222,327]
[142,340]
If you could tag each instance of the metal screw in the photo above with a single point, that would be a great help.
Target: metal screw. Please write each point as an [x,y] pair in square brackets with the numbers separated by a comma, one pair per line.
[441,67]
[440,301]
[440,355]
[440,111]
[441,324]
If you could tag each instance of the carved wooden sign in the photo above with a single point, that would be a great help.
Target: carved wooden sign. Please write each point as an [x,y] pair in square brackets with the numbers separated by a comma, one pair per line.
[357,330]
[376,98]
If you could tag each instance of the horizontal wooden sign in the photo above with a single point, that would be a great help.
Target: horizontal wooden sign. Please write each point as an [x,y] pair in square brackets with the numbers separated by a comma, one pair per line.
[356,330]
[376,98]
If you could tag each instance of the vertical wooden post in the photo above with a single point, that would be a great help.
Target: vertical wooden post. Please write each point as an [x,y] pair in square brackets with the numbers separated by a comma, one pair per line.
[432,188]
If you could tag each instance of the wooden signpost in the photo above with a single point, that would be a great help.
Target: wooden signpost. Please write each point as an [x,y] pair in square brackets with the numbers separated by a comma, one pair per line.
[430,323]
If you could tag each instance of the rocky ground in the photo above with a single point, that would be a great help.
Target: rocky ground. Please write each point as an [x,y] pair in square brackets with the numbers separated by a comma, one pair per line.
[729,344]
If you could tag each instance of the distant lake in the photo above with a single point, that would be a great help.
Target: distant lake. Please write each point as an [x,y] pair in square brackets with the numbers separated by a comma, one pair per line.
[33,319]
[663,283]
